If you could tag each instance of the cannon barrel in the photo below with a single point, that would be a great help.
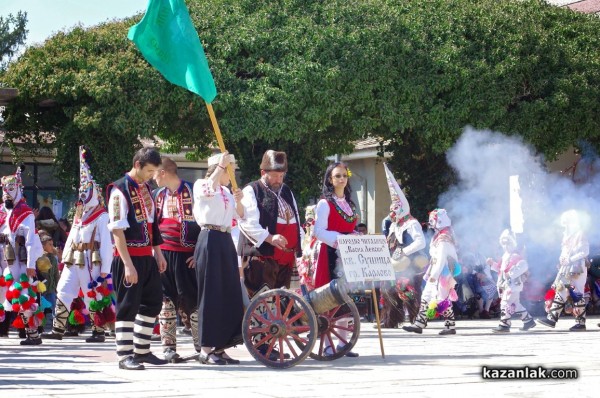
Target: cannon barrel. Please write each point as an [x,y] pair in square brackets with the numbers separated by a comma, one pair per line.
[328,296]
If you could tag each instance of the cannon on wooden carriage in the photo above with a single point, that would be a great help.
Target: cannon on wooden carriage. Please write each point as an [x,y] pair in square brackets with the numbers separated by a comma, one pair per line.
[281,328]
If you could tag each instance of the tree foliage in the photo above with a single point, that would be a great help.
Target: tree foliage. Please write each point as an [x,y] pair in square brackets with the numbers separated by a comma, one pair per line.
[311,76]
[12,36]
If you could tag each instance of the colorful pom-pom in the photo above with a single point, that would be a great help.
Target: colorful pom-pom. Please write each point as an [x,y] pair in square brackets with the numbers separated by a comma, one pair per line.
[18,323]
[550,294]
[41,287]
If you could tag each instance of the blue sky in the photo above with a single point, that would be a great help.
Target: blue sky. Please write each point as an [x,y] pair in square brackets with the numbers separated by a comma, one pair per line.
[49,16]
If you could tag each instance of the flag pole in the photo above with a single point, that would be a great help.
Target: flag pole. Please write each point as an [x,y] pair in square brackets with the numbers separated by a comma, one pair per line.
[213,120]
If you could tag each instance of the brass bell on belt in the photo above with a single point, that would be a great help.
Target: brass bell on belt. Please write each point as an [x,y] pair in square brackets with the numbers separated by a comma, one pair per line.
[67,257]
[96,259]
[79,258]
[9,253]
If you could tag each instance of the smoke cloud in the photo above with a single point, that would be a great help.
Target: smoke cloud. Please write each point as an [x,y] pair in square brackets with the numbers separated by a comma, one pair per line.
[479,204]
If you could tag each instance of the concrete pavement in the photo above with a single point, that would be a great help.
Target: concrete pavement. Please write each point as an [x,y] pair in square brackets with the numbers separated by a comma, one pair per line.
[415,365]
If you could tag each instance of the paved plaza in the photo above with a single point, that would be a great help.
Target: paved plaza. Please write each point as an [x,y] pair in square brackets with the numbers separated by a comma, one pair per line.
[415,365]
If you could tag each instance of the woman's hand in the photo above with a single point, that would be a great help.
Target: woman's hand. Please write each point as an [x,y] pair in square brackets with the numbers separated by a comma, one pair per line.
[225,160]
[238,195]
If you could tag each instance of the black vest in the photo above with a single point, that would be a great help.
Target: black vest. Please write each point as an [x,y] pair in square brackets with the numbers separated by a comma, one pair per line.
[137,235]
[189,228]
[268,208]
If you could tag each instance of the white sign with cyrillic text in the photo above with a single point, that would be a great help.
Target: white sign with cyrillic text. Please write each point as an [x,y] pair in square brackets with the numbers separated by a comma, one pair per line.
[365,258]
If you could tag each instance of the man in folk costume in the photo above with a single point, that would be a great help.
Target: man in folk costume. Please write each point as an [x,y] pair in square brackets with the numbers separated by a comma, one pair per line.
[439,293]
[21,249]
[271,232]
[138,260]
[179,230]
[572,273]
[406,242]
[512,273]
[87,258]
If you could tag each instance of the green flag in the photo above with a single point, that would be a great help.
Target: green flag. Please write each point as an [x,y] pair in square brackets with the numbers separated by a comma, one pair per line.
[168,40]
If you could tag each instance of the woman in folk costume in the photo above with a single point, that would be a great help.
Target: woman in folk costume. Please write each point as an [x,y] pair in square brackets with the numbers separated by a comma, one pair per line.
[220,309]
[439,293]
[21,249]
[310,250]
[512,273]
[406,242]
[87,257]
[335,214]
[572,273]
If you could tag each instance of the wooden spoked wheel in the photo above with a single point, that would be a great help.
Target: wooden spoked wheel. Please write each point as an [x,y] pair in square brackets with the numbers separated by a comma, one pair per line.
[279,328]
[338,327]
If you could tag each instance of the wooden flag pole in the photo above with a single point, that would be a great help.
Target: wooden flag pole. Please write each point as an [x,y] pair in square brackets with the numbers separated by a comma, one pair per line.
[376,305]
[217,130]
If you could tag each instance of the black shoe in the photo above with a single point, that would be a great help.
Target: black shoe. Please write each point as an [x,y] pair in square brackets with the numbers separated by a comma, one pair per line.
[211,359]
[228,361]
[130,363]
[274,356]
[96,337]
[171,355]
[577,328]
[547,322]
[528,325]
[149,358]
[51,336]
[413,328]
[501,329]
[30,341]
[187,332]
[445,332]
[69,333]
[349,354]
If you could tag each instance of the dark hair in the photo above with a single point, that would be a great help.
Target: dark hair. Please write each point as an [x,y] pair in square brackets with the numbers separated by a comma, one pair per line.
[46,213]
[169,165]
[67,223]
[362,224]
[328,184]
[147,155]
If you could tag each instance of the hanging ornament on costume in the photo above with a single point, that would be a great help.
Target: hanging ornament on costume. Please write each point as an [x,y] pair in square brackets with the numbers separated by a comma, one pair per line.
[399,206]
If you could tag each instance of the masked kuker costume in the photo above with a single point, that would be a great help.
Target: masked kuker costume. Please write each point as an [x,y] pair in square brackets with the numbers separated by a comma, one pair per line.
[21,248]
[406,242]
[512,273]
[439,293]
[569,283]
[87,258]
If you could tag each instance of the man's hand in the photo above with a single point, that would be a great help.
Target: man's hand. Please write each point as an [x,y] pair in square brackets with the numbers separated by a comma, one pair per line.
[131,275]
[190,262]
[103,275]
[162,263]
[31,273]
[279,241]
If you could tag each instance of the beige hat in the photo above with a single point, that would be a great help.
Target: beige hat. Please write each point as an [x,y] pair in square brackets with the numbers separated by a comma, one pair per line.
[215,159]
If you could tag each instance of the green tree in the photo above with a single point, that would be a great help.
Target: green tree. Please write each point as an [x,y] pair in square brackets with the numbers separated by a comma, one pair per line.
[12,36]
[312,76]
